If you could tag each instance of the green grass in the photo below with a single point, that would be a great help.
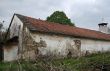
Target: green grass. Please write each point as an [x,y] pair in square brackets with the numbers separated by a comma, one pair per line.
[68,64]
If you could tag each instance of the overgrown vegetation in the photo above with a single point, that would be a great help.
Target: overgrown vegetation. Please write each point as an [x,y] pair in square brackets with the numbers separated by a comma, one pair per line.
[93,62]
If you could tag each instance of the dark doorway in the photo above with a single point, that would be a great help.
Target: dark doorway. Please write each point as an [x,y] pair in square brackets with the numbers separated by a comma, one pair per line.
[1,53]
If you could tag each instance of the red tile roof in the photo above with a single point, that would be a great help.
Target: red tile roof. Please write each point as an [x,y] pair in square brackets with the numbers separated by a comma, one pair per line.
[55,28]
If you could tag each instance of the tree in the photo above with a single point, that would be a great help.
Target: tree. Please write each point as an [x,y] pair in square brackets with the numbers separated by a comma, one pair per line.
[1,26]
[2,33]
[59,17]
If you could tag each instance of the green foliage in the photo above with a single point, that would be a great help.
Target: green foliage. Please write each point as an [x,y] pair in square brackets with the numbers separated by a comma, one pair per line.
[60,17]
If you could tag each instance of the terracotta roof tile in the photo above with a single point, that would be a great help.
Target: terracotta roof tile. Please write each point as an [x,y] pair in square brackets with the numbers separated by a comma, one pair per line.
[49,27]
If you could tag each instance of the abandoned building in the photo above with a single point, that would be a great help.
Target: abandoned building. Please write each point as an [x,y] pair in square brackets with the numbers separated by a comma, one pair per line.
[30,38]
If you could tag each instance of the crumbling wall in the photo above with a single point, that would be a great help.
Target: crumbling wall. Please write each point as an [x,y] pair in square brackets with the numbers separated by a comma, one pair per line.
[66,46]
[37,44]
[40,44]
[29,49]
[58,45]
[74,48]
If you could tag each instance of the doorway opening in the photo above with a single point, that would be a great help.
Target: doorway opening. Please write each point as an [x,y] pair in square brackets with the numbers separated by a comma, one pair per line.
[1,52]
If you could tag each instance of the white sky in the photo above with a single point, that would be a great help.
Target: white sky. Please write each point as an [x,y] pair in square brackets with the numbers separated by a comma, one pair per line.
[84,13]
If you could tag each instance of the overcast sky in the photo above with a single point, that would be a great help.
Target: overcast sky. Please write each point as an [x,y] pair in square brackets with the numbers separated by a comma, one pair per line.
[84,13]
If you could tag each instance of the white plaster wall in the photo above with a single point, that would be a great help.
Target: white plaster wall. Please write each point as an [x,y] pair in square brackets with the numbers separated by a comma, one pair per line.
[94,45]
[15,27]
[10,53]
[60,44]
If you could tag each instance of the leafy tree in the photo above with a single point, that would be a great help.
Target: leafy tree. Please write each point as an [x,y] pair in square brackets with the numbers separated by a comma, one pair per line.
[59,17]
